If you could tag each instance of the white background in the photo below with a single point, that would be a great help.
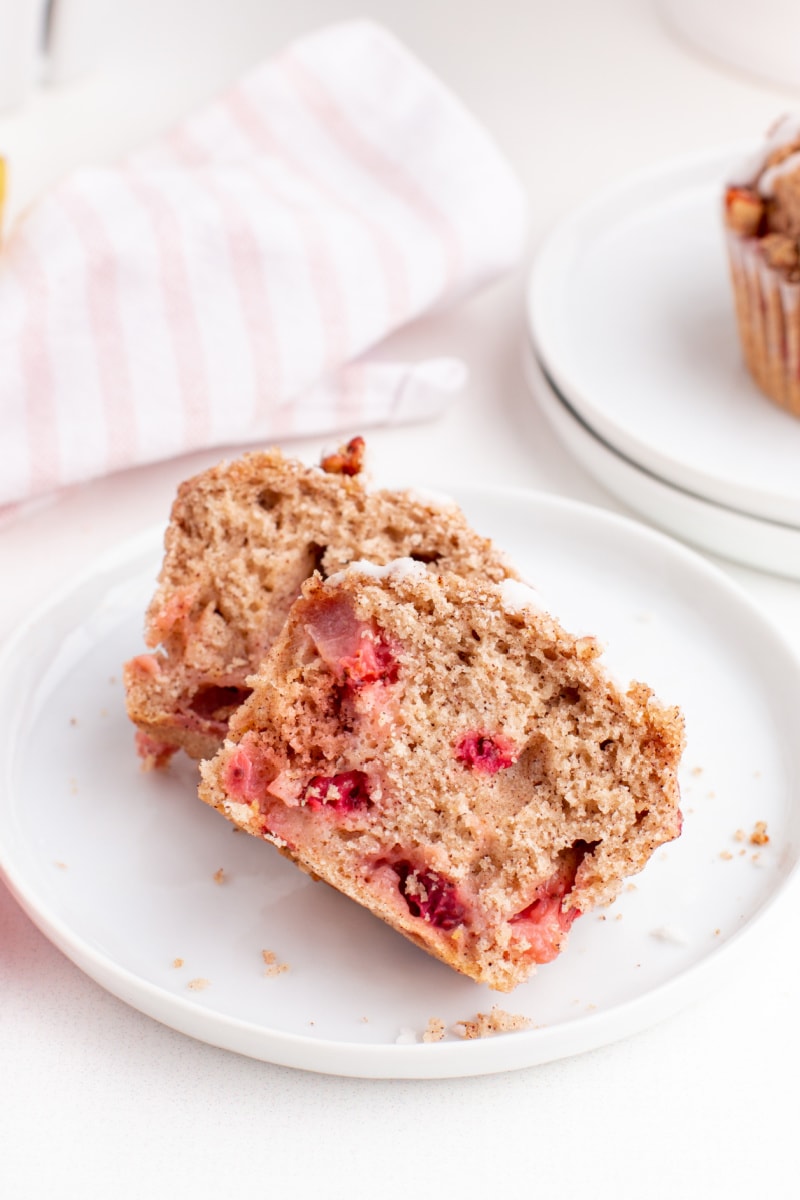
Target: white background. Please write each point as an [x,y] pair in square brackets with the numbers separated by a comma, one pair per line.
[100,1101]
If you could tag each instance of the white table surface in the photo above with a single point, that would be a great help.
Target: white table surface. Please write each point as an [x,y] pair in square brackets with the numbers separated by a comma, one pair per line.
[101,1101]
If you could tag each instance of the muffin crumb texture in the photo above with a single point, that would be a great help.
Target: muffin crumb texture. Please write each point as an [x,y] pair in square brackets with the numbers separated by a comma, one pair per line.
[435,1030]
[487,1024]
[242,539]
[467,772]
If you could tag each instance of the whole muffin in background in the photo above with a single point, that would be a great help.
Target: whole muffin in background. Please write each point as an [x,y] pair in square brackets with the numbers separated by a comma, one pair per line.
[762,220]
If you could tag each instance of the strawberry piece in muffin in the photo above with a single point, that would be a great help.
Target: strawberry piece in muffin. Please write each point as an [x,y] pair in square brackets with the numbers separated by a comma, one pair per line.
[444,753]
[242,539]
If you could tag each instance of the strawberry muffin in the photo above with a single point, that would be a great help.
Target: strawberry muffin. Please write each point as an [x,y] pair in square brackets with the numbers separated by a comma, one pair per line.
[443,752]
[762,220]
[242,539]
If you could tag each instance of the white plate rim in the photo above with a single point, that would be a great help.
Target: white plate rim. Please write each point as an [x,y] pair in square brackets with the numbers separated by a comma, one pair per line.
[418,1061]
[750,541]
[546,284]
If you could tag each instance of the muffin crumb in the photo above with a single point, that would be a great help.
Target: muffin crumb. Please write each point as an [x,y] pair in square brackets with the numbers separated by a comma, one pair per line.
[434,1031]
[273,968]
[487,1024]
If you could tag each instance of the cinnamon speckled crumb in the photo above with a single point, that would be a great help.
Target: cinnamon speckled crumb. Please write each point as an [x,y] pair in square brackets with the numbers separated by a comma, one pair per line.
[273,967]
[197,985]
[219,876]
[759,836]
[487,1024]
[434,1031]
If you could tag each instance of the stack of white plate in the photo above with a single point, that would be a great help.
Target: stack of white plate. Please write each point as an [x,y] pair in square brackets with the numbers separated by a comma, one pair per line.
[634,359]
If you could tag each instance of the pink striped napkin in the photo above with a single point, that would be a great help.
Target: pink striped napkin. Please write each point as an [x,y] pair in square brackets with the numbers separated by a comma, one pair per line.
[224,284]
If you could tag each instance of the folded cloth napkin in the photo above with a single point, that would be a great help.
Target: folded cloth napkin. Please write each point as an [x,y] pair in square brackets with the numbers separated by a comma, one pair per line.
[223,284]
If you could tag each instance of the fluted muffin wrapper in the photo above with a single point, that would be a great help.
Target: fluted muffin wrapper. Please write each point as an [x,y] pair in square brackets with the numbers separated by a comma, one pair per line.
[768,319]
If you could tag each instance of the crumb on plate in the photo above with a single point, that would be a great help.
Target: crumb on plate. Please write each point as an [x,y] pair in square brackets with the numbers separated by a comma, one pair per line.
[487,1024]
[272,966]
[434,1030]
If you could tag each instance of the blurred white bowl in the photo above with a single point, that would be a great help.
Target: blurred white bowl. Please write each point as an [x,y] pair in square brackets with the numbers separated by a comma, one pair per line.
[759,38]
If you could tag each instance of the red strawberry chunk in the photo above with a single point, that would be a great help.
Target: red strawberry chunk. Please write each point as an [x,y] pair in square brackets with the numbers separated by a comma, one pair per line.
[342,793]
[373,661]
[544,924]
[153,752]
[246,775]
[430,896]
[487,753]
[217,703]
[356,651]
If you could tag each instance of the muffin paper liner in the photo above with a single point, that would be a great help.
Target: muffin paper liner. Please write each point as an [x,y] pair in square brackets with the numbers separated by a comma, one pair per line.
[768,318]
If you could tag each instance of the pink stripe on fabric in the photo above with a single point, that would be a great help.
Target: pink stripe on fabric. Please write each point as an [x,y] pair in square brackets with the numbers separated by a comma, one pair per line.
[327,289]
[102,299]
[322,268]
[182,323]
[45,467]
[253,296]
[391,174]
[252,122]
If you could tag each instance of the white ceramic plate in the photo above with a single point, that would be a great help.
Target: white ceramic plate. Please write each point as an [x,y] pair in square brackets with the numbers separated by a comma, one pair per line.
[766,545]
[117,867]
[631,314]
